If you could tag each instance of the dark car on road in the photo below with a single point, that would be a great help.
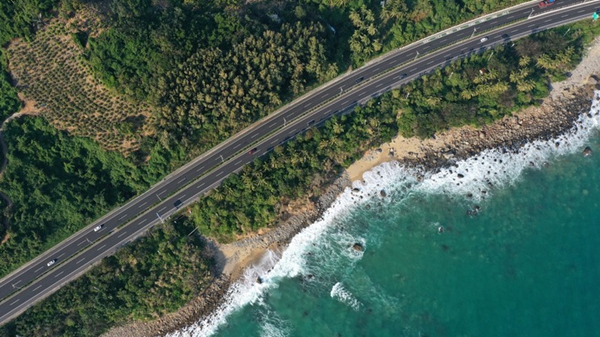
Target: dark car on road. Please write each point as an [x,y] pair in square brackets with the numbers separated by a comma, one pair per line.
[253,151]
[546,3]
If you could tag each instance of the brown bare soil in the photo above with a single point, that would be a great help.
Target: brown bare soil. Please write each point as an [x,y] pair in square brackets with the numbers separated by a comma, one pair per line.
[55,81]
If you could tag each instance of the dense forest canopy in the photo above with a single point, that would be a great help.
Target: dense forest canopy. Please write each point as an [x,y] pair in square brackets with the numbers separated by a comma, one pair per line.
[59,183]
[214,67]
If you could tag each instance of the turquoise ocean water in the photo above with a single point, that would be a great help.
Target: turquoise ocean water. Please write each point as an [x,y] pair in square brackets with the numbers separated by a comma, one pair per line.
[527,264]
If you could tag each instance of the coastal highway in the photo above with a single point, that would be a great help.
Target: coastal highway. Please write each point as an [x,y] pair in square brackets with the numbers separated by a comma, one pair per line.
[36,280]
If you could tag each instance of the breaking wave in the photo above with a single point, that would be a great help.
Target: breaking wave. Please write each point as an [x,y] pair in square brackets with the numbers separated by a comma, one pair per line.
[340,293]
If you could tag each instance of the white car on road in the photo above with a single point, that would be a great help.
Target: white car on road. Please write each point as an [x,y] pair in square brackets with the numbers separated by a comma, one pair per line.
[52,262]
[99,227]
[483,39]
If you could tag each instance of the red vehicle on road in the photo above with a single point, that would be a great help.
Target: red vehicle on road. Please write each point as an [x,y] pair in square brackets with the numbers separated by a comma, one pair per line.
[545,3]
[253,151]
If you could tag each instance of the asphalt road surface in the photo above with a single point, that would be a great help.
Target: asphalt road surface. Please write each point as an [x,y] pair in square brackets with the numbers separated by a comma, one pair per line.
[36,280]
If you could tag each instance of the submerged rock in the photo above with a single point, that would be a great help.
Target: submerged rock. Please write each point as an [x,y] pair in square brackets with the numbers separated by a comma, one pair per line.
[358,247]
[587,151]
[383,193]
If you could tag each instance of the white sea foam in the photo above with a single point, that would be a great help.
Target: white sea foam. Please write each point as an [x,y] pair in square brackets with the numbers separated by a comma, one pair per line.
[341,294]
[484,172]
[497,168]
[271,330]
[273,326]
[292,263]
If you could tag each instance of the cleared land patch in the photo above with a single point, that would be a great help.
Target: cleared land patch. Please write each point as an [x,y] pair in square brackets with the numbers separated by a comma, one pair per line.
[51,71]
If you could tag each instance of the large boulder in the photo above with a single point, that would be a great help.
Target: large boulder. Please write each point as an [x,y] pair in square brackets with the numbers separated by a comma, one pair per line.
[587,151]
[358,247]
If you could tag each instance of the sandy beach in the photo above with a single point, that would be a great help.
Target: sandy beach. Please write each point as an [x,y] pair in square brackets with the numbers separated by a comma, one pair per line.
[555,115]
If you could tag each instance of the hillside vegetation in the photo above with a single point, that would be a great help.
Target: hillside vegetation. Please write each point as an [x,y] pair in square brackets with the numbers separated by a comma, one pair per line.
[59,183]
[214,68]
[17,19]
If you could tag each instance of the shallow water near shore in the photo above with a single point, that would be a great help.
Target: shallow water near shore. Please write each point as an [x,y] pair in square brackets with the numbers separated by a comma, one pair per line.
[500,245]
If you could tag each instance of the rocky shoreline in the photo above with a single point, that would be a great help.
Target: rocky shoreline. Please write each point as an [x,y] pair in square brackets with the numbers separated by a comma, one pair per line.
[508,134]
[213,297]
